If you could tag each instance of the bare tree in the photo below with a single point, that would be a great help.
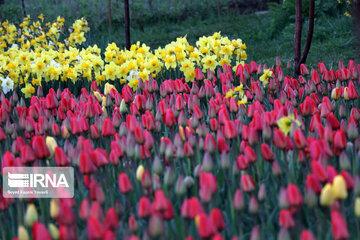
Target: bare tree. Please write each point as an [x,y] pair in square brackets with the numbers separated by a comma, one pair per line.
[109,13]
[23,8]
[356,12]
[127,24]
[298,58]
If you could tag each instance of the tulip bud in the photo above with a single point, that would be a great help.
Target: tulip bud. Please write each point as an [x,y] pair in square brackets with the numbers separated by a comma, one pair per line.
[123,107]
[31,215]
[169,176]
[207,164]
[22,233]
[51,144]
[356,185]
[238,201]
[54,208]
[180,186]
[139,172]
[262,192]
[327,196]
[344,161]
[310,198]
[339,187]
[283,201]
[283,234]
[54,231]
[189,182]
[352,131]
[253,205]
[156,226]
[133,225]
[65,132]
[357,207]
[342,111]
[276,168]
[225,161]
[157,167]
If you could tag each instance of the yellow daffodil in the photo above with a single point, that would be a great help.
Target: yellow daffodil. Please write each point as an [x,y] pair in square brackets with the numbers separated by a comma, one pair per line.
[265,76]
[28,90]
[285,123]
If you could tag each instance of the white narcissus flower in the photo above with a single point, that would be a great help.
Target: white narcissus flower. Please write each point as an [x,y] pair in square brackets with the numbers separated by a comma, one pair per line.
[133,75]
[7,84]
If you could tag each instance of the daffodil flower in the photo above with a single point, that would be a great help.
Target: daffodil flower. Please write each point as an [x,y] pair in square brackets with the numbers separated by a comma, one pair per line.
[28,90]
[285,123]
[266,75]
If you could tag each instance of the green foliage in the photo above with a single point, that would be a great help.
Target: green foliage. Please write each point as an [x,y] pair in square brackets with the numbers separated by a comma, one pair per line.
[284,13]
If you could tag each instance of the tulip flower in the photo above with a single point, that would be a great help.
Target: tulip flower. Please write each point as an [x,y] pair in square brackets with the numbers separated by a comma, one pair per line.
[39,232]
[125,185]
[338,224]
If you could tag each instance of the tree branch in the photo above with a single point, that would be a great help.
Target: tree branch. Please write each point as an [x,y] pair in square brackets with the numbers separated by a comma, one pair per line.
[310,32]
[127,24]
[297,40]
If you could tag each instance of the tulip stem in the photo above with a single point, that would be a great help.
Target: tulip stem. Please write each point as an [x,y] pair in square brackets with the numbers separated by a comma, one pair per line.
[2,229]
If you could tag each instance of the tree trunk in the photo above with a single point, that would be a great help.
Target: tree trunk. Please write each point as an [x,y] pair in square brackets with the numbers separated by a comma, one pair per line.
[218,7]
[23,8]
[109,14]
[150,5]
[356,12]
[310,32]
[127,24]
[297,40]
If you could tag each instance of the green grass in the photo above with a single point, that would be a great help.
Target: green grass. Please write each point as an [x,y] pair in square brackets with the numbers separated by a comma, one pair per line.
[333,38]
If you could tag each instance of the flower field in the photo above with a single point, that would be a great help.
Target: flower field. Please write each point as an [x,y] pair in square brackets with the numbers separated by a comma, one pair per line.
[181,142]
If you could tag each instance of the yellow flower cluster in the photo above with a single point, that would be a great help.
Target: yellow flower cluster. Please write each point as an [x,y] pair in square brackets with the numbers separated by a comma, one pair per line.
[32,53]
[237,92]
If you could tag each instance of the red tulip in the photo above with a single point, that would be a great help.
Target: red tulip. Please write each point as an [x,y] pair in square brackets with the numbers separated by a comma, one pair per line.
[279,139]
[27,154]
[294,196]
[139,135]
[229,130]
[247,183]
[160,203]
[125,185]
[303,69]
[339,139]
[204,226]
[144,208]
[169,118]
[39,232]
[267,153]
[285,219]
[238,201]
[338,225]
[313,183]
[299,139]
[94,228]
[39,146]
[191,207]
[108,128]
[109,235]
[217,219]
[250,155]
[60,157]
[307,235]
[86,164]
[94,132]
[84,211]
[111,219]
